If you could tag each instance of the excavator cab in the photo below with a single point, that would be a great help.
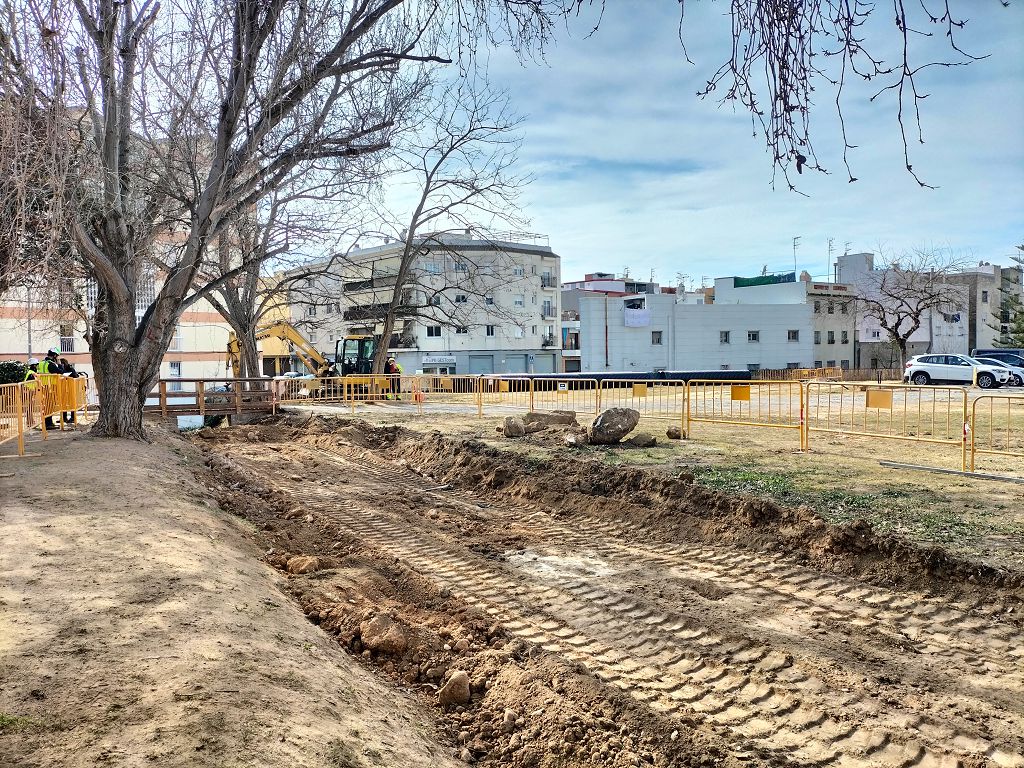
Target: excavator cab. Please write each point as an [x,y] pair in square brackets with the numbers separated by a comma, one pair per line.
[355,354]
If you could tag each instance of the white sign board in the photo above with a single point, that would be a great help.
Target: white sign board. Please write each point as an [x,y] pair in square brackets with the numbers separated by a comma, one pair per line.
[439,360]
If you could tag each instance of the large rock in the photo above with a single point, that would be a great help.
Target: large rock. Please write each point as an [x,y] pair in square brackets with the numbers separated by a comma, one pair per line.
[642,440]
[303,564]
[456,692]
[613,425]
[514,427]
[551,418]
[577,438]
[384,635]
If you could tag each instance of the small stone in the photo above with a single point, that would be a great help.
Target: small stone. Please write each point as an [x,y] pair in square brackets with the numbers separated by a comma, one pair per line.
[456,692]
[462,646]
[309,518]
[642,440]
[515,741]
[296,478]
[466,756]
[384,635]
[674,736]
[674,433]
[303,564]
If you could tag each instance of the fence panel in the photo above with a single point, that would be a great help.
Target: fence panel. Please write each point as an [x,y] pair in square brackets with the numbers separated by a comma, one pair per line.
[997,427]
[654,398]
[579,395]
[462,392]
[508,392]
[776,404]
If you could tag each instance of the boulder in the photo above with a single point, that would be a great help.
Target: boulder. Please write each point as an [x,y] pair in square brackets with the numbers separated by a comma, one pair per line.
[551,418]
[384,635]
[456,692]
[674,433]
[613,425]
[642,440]
[577,439]
[514,427]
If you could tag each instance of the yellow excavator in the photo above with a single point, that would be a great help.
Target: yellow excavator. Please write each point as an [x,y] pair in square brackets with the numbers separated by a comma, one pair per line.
[353,355]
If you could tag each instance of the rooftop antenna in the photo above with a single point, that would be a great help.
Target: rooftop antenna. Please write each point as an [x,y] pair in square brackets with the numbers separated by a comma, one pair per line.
[846,248]
[796,244]
[828,266]
[625,272]
[652,275]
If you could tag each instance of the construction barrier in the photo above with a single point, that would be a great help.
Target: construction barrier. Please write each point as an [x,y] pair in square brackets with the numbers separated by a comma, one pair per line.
[996,427]
[928,414]
[797,374]
[653,399]
[773,404]
[27,405]
[579,395]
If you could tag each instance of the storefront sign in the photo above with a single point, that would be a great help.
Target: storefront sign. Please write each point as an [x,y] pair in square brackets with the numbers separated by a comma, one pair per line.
[439,360]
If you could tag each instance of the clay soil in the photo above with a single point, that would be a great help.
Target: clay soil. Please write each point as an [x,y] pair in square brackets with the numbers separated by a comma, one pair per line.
[625,615]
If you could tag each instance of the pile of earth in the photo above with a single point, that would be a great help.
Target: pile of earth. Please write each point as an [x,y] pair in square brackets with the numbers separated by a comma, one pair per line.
[672,504]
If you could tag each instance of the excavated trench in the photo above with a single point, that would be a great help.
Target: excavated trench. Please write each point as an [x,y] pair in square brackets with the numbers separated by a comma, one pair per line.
[625,617]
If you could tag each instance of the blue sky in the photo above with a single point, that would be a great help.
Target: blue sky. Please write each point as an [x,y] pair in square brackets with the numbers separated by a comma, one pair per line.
[631,168]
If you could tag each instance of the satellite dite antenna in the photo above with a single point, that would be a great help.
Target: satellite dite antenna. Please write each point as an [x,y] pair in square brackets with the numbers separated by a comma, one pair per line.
[796,244]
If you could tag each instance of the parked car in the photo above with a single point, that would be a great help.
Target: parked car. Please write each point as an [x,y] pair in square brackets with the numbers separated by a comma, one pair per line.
[954,369]
[1016,371]
[1006,355]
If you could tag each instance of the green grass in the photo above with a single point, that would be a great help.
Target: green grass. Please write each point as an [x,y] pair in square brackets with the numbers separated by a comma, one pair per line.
[14,723]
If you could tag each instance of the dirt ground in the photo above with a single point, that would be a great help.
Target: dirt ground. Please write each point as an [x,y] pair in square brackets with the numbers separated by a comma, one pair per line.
[138,626]
[599,615]
[323,591]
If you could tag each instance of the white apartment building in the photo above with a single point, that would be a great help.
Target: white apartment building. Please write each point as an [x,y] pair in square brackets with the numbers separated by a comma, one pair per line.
[650,332]
[940,331]
[470,306]
[832,310]
[30,325]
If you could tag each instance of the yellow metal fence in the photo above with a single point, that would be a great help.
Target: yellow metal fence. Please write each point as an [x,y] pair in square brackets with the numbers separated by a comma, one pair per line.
[27,405]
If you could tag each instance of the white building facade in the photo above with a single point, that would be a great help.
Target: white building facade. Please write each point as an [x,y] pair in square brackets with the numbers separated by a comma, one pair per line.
[470,306]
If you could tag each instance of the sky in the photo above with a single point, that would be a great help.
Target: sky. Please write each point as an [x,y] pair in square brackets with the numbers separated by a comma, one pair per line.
[631,169]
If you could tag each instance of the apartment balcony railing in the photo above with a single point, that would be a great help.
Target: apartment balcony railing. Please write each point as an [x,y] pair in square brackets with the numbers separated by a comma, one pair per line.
[548,281]
[548,313]
[366,312]
[547,341]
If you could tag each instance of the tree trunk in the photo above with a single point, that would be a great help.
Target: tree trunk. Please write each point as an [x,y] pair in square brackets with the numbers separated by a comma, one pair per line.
[381,355]
[250,359]
[901,345]
[123,388]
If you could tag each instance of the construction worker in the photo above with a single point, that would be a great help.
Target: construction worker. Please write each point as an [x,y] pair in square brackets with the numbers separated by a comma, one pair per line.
[48,366]
[393,369]
[31,382]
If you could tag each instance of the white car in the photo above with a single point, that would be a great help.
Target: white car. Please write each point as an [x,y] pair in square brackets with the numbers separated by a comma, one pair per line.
[1016,371]
[954,369]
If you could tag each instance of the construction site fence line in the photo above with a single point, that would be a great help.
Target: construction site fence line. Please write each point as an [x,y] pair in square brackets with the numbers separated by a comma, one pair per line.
[940,416]
[26,406]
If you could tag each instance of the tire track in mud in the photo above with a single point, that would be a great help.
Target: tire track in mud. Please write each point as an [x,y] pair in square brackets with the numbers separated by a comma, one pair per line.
[738,687]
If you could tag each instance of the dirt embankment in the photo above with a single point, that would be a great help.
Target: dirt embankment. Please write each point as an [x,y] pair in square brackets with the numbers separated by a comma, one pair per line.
[139,627]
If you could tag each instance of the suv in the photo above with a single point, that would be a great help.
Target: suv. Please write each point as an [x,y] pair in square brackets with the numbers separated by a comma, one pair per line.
[956,369]
[1016,371]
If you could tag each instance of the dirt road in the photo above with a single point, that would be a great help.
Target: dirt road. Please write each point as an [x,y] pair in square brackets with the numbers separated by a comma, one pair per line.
[715,653]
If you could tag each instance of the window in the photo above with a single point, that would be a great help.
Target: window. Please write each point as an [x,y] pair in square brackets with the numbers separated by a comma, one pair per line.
[435,300]
[489,300]
[432,268]
[519,300]
[461,298]
[831,308]
[844,364]
[461,329]
[330,337]
[724,367]
[533,329]
[533,269]
[792,365]
[984,297]
[534,298]
[490,330]
[831,337]
[817,363]
[518,331]
[817,307]
[433,331]
[844,307]
[793,335]
[330,309]
[753,337]
[817,337]
[656,337]
[874,362]
[175,374]
[175,339]
[876,335]
[844,337]
[518,271]
[67,339]
[723,337]
[461,266]
[311,311]
[830,364]
[311,336]
[753,367]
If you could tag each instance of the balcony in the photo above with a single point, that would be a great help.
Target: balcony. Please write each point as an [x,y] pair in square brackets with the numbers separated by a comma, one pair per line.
[379,280]
[366,312]
[548,313]
[547,341]
[548,281]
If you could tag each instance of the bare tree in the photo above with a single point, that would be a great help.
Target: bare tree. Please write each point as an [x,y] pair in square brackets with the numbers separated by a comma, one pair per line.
[901,294]
[462,165]
[192,112]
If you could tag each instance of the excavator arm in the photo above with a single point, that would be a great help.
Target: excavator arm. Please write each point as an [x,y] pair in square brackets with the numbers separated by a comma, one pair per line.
[306,352]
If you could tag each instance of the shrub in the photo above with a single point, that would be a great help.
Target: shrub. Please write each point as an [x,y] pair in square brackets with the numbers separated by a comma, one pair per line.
[11,372]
